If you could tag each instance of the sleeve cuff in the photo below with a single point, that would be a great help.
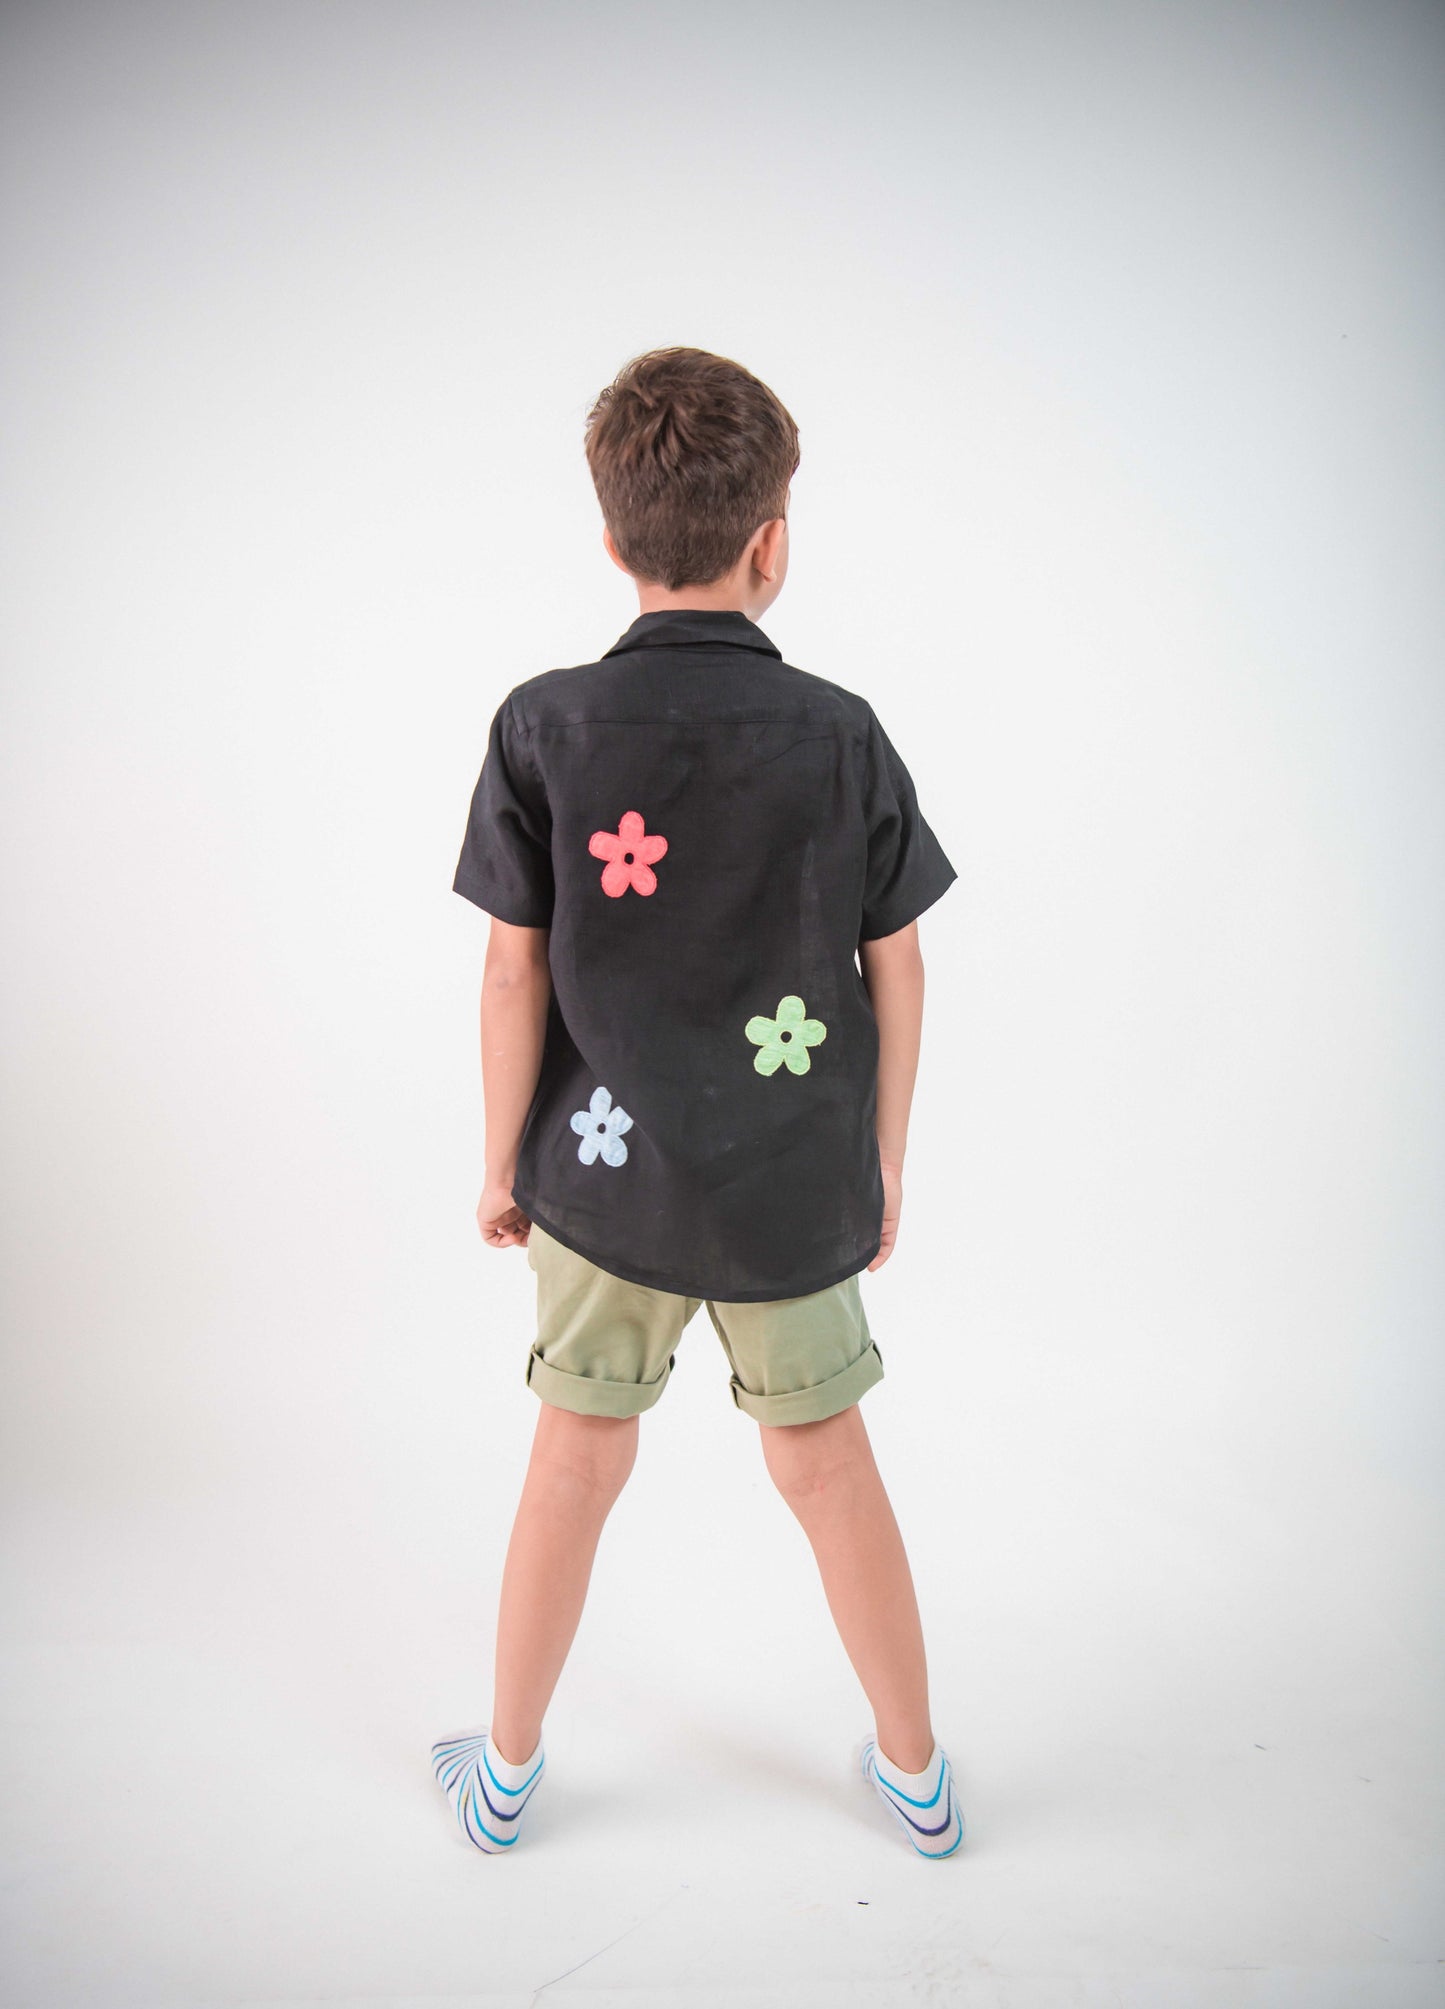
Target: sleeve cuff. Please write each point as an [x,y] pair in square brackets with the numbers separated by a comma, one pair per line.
[909,907]
[498,906]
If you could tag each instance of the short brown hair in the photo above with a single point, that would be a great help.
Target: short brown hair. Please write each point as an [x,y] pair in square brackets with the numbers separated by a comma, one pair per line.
[689,454]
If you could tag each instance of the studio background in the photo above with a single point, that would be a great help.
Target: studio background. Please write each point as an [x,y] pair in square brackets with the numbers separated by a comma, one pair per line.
[1113,334]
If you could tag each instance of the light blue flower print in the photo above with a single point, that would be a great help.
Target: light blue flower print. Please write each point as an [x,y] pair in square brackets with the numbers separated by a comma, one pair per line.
[600,1127]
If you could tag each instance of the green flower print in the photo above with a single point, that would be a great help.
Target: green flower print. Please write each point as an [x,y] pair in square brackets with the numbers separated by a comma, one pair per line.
[785,1038]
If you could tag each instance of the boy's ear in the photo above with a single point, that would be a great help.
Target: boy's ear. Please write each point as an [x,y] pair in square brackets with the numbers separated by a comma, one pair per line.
[766,541]
[611,549]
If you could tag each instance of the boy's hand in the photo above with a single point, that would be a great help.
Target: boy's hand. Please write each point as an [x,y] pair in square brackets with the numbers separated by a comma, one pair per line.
[501,1220]
[892,1208]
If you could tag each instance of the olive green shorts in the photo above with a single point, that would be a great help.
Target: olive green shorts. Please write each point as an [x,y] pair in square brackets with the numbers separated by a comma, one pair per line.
[605,1347]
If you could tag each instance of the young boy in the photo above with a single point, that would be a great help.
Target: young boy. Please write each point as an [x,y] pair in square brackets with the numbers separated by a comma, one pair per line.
[694,1095]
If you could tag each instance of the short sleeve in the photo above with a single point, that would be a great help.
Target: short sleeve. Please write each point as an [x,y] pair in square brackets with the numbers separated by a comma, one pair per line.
[907,867]
[505,866]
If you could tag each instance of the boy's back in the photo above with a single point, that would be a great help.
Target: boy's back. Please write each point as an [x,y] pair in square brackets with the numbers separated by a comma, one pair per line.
[704,1117]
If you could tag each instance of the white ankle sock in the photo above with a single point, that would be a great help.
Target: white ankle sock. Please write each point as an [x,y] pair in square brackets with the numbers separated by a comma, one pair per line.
[925,1804]
[488,1796]
[513,1777]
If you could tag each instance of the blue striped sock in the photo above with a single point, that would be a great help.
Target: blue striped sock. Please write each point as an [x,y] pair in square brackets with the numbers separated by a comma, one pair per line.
[924,1804]
[487,1795]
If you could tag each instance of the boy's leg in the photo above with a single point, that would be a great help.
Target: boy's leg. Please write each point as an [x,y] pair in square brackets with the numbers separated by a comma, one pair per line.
[578,1466]
[826,1472]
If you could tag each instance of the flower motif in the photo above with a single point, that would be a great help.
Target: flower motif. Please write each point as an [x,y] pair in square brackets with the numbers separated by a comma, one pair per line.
[785,1038]
[630,856]
[600,1127]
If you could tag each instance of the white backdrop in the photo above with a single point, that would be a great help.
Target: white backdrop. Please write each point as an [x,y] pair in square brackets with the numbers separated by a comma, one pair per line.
[1113,334]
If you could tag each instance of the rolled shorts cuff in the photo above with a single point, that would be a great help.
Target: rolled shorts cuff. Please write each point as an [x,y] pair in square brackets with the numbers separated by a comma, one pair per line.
[825,1398]
[588,1394]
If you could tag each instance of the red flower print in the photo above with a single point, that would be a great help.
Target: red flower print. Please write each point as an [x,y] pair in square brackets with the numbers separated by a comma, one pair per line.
[630,856]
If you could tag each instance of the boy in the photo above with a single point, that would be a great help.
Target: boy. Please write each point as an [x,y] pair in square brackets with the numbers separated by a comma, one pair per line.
[693,1093]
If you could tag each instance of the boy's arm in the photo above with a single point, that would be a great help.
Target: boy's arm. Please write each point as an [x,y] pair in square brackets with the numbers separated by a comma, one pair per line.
[892,968]
[516,989]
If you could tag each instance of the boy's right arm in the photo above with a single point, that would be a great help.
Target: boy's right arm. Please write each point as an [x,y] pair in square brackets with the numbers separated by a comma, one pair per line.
[516,990]
[892,967]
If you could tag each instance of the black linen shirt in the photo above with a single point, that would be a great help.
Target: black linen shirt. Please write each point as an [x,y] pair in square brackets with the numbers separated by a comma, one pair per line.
[708,834]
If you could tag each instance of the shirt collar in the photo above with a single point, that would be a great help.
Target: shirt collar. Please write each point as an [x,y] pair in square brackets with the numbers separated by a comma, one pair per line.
[692,628]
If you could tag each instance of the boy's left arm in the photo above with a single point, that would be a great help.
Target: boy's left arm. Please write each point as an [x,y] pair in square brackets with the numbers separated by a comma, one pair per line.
[516,990]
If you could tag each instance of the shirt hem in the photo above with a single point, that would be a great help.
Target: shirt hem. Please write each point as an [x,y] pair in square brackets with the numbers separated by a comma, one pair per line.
[632,1273]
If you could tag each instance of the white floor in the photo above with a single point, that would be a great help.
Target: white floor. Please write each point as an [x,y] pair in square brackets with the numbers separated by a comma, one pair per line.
[1198,1753]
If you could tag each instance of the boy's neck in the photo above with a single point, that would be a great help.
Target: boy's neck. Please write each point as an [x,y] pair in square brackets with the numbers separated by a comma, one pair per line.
[716,599]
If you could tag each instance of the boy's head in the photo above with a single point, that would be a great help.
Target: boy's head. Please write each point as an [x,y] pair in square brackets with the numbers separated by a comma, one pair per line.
[691,458]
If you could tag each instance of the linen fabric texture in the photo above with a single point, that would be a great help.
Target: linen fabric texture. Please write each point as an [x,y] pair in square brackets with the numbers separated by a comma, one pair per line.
[708,834]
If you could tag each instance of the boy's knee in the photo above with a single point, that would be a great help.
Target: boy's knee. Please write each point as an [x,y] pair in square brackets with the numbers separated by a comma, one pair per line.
[808,1461]
[598,1450]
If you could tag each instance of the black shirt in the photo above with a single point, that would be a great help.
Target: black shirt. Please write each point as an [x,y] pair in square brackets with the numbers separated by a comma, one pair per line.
[708,833]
